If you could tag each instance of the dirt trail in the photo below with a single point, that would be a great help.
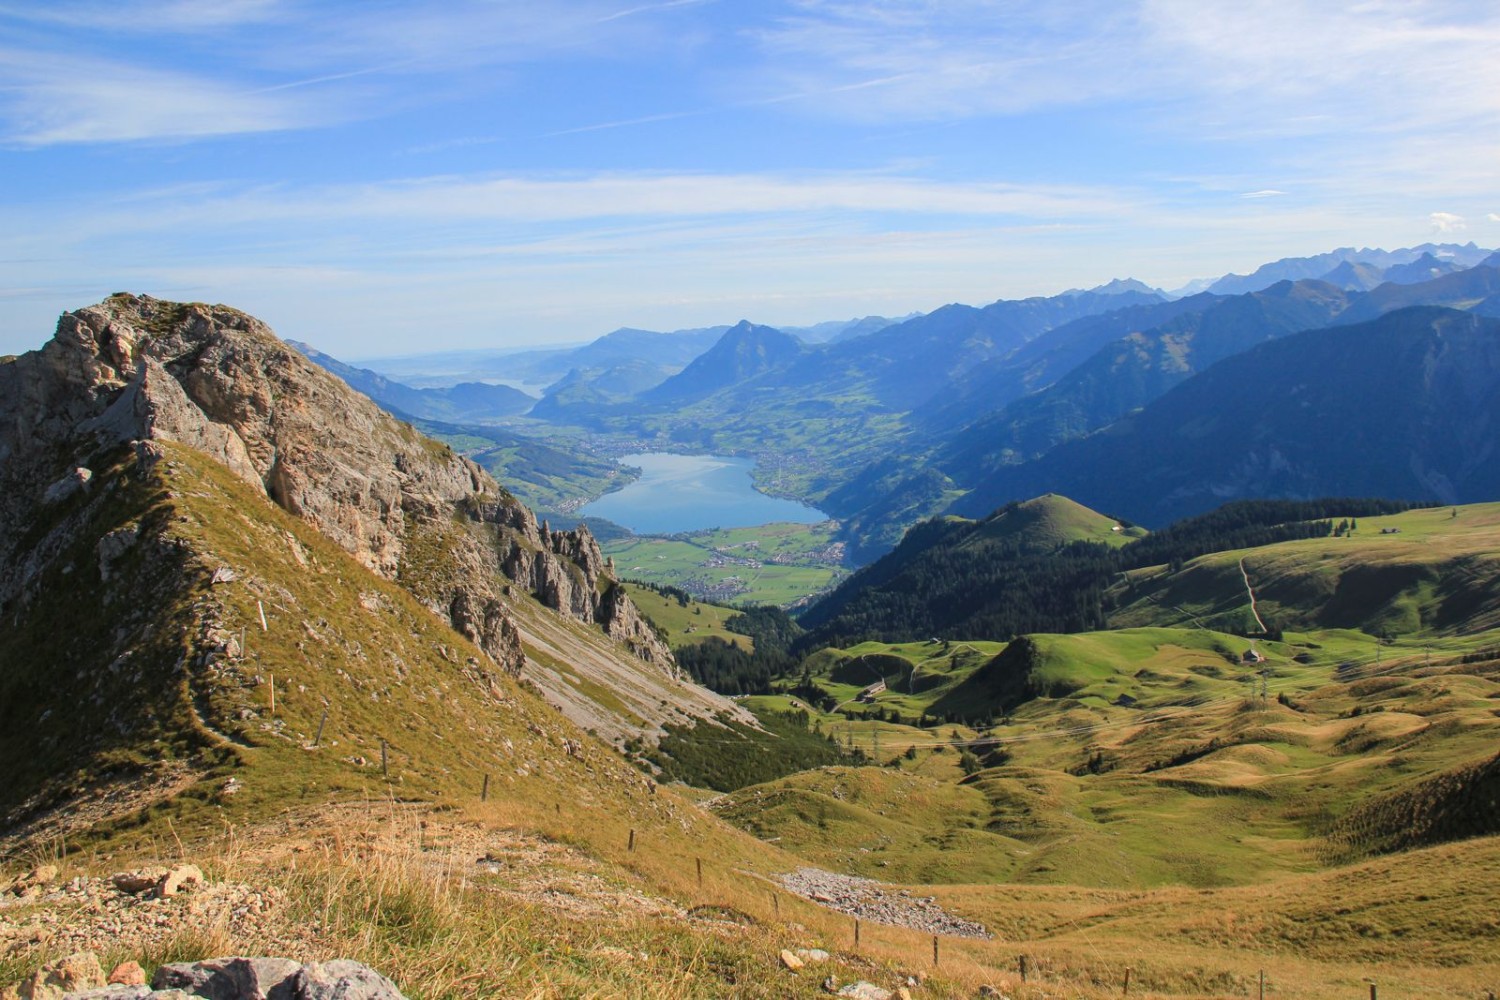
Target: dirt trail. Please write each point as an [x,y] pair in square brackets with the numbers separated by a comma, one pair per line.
[1246,577]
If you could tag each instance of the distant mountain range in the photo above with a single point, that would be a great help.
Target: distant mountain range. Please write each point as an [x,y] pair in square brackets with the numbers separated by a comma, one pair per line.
[1321,265]
[1407,405]
[882,423]
[462,401]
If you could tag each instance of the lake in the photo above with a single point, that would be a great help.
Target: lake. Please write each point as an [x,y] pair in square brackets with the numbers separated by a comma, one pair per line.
[691,492]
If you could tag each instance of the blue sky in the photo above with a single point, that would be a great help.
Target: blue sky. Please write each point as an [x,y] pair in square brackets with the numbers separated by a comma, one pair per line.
[392,177]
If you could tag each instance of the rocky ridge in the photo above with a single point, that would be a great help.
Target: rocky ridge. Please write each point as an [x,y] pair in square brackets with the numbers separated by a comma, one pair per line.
[123,376]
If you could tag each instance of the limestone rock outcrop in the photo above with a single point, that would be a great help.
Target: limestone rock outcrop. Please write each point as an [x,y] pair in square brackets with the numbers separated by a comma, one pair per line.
[137,370]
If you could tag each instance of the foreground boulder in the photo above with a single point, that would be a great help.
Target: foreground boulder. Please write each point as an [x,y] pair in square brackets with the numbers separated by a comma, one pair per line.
[252,979]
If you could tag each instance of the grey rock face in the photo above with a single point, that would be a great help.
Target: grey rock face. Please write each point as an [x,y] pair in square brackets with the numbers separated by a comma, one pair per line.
[230,978]
[137,369]
[260,979]
[342,979]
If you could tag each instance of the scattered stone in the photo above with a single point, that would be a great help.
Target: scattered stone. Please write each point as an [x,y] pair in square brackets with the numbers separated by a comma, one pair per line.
[792,962]
[172,882]
[128,974]
[134,883]
[862,990]
[902,993]
[868,900]
[831,985]
[989,991]
[814,955]
[76,973]
[69,484]
[33,880]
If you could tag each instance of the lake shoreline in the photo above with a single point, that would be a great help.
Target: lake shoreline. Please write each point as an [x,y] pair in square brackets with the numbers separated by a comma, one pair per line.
[678,494]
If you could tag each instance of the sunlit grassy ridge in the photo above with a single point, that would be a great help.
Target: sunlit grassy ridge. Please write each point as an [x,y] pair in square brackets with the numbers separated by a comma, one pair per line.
[687,624]
[1052,520]
[1434,570]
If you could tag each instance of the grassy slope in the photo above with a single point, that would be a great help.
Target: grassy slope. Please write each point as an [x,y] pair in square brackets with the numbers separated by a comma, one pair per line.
[1054,520]
[1196,782]
[342,641]
[1435,573]
[686,626]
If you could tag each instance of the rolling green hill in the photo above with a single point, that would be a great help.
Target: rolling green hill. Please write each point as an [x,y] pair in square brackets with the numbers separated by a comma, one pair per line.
[1428,571]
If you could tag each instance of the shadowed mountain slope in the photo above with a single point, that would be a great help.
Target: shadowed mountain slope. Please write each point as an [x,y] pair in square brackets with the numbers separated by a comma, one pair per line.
[1405,406]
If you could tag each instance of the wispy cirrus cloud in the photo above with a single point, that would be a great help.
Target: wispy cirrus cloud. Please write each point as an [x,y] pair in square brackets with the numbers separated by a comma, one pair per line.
[478,201]
[1290,66]
[205,70]
[149,16]
[47,102]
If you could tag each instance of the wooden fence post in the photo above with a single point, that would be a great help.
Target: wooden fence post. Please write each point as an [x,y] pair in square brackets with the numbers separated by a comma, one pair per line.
[856,934]
[318,739]
[1021,961]
[484,793]
[631,845]
[1262,984]
[1126,992]
[934,950]
[700,871]
[385,767]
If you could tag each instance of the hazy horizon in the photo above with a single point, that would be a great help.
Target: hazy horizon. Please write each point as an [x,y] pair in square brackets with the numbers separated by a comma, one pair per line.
[501,174]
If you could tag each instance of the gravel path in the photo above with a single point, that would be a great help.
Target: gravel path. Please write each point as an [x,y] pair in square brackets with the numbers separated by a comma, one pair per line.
[869,900]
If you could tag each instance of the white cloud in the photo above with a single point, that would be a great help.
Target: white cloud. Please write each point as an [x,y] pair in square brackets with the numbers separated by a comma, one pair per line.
[1494,217]
[48,102]
[1447,222]
[1264,193]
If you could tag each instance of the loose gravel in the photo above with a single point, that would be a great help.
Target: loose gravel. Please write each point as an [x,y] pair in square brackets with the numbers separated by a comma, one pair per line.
[869,900]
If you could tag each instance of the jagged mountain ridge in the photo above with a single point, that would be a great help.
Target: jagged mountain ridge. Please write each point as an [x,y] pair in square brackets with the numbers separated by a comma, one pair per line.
[1405,406]
[132,372]
[1138,368]
[1319,265]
